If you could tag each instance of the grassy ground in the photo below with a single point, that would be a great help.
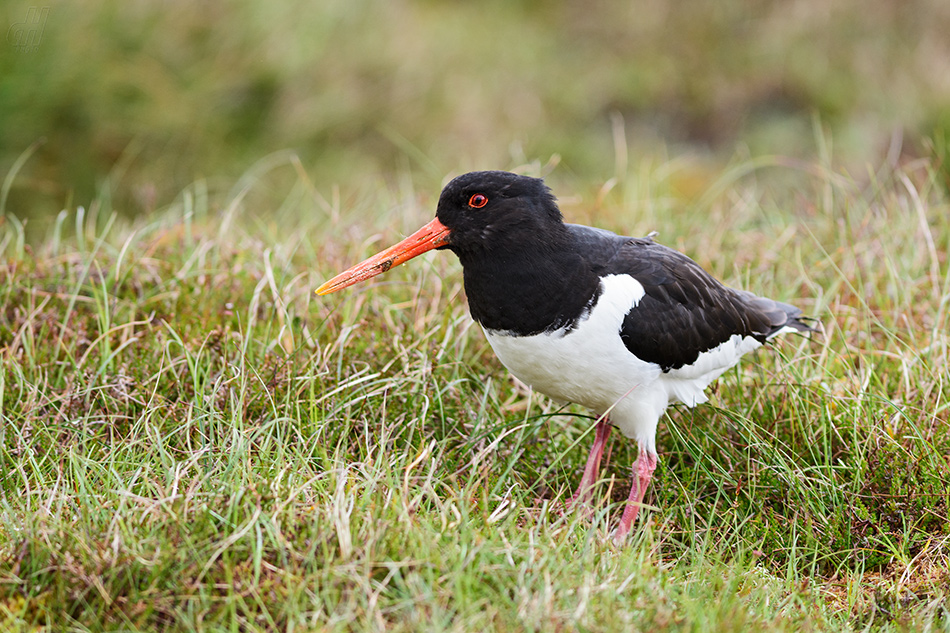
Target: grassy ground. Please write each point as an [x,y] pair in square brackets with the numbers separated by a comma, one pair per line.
[202,89]
[191,440]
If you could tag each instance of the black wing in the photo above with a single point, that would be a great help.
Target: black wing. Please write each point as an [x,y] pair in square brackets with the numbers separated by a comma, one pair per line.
[685,311]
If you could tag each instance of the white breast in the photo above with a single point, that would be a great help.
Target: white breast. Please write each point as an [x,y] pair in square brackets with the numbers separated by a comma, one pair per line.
[589,365]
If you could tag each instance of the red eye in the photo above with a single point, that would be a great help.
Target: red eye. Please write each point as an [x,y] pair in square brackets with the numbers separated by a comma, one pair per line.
[477,201]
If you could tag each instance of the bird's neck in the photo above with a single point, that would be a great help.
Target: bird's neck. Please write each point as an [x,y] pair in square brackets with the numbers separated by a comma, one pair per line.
[530,290]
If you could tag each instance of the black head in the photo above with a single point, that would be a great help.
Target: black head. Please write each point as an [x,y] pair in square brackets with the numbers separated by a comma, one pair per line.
[493,221]
[488,210]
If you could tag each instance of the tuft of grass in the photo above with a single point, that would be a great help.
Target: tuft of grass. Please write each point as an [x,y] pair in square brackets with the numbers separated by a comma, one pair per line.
[191,440]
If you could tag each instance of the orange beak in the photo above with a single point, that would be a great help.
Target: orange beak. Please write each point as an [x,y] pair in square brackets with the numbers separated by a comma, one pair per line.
[432,235]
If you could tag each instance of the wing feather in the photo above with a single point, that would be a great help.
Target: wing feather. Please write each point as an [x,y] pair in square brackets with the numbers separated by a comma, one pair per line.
[685,311]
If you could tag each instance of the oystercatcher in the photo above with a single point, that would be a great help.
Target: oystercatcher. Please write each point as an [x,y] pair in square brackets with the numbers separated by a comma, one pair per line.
[621,325]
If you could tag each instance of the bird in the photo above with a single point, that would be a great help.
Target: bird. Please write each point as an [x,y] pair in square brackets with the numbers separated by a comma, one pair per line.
[623,326]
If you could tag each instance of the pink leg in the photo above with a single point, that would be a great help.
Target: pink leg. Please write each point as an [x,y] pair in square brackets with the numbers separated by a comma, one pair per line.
[592,468]
[643,471]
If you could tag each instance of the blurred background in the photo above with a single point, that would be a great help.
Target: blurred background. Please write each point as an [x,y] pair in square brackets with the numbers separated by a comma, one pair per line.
[142,98]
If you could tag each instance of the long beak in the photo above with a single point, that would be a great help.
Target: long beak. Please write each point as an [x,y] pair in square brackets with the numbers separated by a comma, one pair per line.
[432,235]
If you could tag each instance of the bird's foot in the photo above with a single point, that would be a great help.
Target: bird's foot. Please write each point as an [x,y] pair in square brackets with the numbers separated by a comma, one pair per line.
[642,473]
[581,506]
[585,490]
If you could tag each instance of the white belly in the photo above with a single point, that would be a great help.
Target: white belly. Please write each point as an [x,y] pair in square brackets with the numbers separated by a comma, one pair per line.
[589,365]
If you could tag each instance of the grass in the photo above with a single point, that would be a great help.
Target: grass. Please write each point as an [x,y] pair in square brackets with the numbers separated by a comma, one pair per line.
[191,440]
[369,86]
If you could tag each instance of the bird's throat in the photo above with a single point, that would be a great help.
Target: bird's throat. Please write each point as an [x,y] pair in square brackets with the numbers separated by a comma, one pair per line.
[525,294]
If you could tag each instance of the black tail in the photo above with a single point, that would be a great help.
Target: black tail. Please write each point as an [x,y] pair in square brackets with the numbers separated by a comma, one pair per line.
[780,316]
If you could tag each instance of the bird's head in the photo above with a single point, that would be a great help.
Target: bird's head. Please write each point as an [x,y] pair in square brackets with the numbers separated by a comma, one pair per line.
[492,210]
[479,213]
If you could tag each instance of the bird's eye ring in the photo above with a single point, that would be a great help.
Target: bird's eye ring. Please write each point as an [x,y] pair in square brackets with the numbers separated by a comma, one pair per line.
[477,201]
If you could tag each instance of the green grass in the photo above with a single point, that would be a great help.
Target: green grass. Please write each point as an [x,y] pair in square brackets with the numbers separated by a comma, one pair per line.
[191,440]
[152,98]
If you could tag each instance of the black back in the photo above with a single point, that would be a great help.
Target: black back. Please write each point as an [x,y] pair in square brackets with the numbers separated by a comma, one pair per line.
[527,272]
[685,311]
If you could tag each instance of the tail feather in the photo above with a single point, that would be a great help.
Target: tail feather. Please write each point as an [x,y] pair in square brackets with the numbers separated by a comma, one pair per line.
[781,317]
